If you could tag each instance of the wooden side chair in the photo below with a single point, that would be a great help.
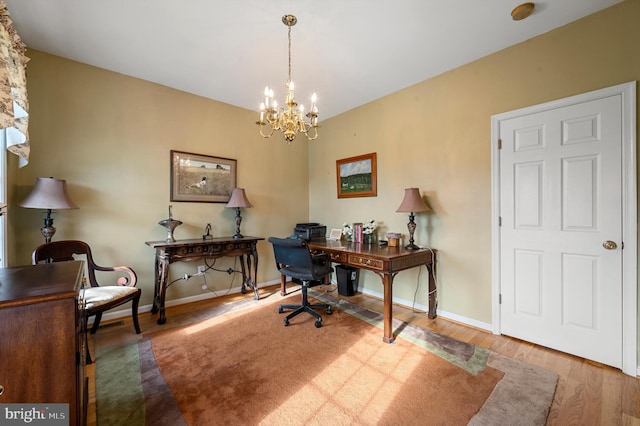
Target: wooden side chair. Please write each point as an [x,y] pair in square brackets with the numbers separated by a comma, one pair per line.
[97,298]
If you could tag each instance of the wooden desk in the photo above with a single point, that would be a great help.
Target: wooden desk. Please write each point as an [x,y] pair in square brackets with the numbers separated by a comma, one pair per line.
[197,249]
[43,350]
[386,262]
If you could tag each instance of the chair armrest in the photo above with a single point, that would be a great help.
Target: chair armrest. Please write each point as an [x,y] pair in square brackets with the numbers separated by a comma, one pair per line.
[127,275]
[130,279]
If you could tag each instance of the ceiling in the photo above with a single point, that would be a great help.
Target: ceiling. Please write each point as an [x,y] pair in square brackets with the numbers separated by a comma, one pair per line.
[348,52]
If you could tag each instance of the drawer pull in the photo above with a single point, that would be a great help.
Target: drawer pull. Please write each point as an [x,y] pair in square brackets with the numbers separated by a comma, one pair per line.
[1,389]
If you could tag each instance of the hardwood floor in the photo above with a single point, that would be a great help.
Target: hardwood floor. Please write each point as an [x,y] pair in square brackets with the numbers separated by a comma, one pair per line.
[588,393]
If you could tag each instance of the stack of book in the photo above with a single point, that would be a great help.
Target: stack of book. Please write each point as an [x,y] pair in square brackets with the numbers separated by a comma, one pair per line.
[357,233]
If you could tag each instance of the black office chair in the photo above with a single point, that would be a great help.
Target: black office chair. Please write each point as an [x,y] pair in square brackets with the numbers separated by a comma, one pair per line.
[294,260]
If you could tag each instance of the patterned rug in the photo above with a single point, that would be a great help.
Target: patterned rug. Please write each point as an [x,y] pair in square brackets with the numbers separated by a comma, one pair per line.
[238,364]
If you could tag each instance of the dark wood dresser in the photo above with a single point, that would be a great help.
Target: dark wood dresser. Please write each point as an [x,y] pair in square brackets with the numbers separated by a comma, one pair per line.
[42,347]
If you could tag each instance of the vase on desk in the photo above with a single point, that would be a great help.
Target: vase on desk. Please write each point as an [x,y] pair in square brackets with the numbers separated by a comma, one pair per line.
[369,238]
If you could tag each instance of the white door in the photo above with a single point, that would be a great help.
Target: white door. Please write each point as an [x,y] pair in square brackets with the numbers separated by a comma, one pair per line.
[561,231]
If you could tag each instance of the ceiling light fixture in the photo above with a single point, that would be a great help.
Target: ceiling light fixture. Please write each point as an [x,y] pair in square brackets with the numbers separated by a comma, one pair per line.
[290,119]
[522,11]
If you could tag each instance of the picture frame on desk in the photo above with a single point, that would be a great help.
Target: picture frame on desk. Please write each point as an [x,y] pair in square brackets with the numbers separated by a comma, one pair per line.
[357,176]
[199,178]
[335,235]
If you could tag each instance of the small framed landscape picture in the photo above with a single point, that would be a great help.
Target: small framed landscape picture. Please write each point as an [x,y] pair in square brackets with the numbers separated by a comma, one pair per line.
[201,178]
[357,176]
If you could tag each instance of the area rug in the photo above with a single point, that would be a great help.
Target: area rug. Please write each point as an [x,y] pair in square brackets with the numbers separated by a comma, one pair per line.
[244,367]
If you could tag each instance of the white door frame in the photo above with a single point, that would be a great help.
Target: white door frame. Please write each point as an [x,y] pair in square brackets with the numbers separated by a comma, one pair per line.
[629,213]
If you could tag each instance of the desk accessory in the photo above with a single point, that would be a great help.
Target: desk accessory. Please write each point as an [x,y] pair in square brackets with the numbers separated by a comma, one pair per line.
[335,235]
[310,231]
[170,224]
[207,235]
[394,238]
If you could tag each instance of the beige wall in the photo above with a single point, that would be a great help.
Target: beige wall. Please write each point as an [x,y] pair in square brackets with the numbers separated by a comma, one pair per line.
[109,136]
[436,135]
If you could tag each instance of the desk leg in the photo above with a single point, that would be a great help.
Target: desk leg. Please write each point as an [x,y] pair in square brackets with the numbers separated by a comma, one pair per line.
[283,285]
[249,280]
[387,281]
[162,274]
[245,280]
[254,273]
[156,285]
[433,299]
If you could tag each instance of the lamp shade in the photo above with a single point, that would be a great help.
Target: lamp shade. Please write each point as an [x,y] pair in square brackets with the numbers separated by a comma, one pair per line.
[239,199]
[412,202]
[49,193]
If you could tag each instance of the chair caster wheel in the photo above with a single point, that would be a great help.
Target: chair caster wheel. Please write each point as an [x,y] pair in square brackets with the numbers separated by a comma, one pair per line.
[280,310]
[286,322]
[329,310]
[318,323]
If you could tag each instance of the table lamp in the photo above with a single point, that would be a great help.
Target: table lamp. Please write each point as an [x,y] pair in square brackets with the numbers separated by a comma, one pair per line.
[49,194]
[238,200]
[412,203]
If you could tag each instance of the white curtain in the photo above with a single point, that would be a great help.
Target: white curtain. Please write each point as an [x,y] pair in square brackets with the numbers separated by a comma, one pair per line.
[14,105]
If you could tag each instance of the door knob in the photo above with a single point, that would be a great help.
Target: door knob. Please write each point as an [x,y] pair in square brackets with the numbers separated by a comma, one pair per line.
[610,245]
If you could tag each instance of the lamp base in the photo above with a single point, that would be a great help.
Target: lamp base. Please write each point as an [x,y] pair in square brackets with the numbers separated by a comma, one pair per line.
[48,230]
[47,233]
[411,226]
[238,222]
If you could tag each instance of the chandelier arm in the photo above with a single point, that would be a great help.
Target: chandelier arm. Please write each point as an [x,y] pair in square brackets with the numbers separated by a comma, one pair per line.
[315,134]
[267,135]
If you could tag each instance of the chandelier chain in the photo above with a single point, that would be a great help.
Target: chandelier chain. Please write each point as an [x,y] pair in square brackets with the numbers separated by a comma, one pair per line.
[289,81]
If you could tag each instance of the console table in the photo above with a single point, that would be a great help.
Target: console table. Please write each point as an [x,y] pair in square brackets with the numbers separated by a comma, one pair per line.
[198,249]
[386,262]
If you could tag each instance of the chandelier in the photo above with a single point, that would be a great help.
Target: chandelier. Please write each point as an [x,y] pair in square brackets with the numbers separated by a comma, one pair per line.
[289,119]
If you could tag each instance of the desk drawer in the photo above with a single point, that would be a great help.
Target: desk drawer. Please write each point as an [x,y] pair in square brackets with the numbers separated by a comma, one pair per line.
[335,257]
[366,262]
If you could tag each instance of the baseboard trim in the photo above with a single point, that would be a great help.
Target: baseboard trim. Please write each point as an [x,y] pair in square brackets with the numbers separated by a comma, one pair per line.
[175,302]
[444,314]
